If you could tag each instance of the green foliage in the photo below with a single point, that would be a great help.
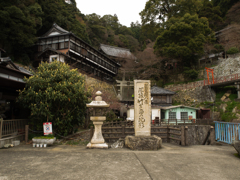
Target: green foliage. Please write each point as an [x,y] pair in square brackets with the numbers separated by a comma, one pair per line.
[160,10]
[191,74]
[219,47]
[20,21]
[232,50]
[183,38]
[111,116]
[44,137]
[65,15]
[57,94]
[212,13]
[237,155]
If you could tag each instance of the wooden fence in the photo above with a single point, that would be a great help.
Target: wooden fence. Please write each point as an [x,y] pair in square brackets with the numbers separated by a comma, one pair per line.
[163,122]
[112,131]
[184,122]
[12,128]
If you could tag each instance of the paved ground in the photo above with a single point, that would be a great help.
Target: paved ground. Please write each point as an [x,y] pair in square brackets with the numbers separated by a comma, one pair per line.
[76,162]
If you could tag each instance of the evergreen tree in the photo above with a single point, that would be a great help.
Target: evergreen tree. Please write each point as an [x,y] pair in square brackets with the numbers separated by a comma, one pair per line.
[183,38]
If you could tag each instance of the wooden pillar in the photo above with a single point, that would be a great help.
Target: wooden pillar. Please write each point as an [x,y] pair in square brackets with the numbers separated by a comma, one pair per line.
[182,136]
[186,135]
[212,136]
[168,134]
[1,125]
[26,133]
[123,131]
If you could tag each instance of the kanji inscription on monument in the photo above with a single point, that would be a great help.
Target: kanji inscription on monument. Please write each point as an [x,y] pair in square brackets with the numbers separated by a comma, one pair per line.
[142,108]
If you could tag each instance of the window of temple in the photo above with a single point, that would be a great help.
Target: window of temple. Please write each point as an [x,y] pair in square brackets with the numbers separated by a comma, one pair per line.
[55,46]
[61,39]
[66,45]
[55,40]
[61,45]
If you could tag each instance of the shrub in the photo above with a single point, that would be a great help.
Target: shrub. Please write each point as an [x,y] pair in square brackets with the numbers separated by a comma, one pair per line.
[57,94]
[232,50]
[191,74]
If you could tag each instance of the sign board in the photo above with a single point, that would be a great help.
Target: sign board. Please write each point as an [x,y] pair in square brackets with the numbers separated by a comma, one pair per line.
[190,117]
[47,128]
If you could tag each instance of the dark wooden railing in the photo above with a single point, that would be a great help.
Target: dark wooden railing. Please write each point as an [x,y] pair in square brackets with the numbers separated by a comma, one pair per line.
[115,130]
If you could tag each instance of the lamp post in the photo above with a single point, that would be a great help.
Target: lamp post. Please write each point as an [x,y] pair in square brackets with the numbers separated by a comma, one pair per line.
[98,105]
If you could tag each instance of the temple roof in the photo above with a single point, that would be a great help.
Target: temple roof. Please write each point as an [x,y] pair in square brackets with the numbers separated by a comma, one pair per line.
[160,91]
[116,51]
[55,30]
[7,62]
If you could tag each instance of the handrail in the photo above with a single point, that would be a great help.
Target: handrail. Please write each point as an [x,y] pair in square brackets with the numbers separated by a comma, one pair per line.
[195,84]
[12,127]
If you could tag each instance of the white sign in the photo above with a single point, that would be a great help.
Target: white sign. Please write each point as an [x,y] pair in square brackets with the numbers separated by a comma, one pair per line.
[47,128]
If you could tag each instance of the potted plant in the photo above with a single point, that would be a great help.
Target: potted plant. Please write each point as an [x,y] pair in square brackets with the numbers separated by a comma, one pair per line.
[49,139]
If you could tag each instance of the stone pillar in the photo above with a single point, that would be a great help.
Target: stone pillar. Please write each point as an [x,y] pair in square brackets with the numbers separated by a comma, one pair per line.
[142,108]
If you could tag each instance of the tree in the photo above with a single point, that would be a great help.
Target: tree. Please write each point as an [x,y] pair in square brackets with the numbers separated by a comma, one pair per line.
[57,94]
[212,13]
[159,11]
[110,21]
[183,38]
[65,15]
[20,21]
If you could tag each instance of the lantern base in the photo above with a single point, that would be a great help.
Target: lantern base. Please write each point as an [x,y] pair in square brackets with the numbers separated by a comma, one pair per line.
[97,146]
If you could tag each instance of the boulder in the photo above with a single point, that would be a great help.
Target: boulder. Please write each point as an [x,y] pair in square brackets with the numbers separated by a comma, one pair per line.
[143,142]
[223,107]
[236,145]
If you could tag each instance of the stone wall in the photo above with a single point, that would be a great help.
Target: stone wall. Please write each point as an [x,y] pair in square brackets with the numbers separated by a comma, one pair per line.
[96,83]
[197,133]
[192,97]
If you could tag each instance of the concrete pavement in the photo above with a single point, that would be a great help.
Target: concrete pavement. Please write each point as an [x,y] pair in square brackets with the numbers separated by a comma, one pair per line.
[77,162]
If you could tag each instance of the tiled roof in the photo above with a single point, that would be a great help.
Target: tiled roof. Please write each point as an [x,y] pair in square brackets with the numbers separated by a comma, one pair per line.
[55,29]
[160,91]
[116,51]
[172,107]
[7,62]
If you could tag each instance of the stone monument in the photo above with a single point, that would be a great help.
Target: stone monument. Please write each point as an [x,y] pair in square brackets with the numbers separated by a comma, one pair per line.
[98,105]
[142,119]
[142,108]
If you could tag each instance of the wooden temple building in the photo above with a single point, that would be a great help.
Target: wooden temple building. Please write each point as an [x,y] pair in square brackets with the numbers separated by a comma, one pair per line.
[62,45]
[11,80]
[117,53]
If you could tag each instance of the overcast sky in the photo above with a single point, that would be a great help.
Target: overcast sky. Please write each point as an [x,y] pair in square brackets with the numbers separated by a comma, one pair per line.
[126,10]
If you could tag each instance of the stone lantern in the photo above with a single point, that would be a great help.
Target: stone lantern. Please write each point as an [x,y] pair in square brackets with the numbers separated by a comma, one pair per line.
[98,105]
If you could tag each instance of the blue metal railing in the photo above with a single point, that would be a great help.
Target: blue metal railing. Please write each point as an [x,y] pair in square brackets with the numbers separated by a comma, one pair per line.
[227,132]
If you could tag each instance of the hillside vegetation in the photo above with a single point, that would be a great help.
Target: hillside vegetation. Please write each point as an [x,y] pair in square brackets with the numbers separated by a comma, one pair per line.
[177,30]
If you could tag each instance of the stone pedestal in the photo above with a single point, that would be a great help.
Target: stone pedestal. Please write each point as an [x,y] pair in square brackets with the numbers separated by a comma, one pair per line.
[143,142]
[97,139]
